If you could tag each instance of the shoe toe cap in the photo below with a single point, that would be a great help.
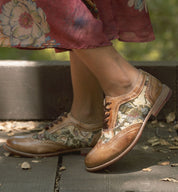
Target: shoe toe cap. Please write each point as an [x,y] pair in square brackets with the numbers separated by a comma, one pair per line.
[19,143]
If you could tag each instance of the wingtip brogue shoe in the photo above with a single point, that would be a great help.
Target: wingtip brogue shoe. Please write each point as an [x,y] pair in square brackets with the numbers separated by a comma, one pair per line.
[125,119]
[65,134]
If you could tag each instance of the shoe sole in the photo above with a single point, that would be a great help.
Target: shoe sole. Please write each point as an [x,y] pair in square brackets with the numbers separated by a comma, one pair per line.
[83,151]
[160,102]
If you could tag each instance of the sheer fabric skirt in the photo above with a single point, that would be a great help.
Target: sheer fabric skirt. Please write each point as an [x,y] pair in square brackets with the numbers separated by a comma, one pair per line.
[72,24]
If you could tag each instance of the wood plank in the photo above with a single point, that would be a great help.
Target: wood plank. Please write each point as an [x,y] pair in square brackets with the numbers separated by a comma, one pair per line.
[126,175]
[40,178]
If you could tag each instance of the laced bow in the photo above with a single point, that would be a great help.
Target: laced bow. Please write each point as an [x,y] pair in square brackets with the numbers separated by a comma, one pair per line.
[106,115]
[59,118]
[44,134]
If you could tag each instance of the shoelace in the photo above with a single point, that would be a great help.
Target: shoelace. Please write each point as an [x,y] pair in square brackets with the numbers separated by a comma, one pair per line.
[44,133]
[106,115]
[59,118]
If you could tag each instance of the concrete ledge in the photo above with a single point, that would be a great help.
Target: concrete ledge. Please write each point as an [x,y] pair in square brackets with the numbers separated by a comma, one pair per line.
[32,90]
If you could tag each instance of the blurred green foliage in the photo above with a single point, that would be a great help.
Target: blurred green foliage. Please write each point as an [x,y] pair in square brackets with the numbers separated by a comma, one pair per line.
[164,17]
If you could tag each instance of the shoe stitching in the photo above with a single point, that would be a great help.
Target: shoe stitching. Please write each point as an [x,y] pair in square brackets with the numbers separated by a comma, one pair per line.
[129,113]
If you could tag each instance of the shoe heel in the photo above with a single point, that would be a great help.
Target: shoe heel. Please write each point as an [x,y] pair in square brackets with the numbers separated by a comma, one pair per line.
[84,151]
[161,101]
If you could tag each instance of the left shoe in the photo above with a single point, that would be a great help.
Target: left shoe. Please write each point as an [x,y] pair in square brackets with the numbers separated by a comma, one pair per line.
[125,119]
[64,135]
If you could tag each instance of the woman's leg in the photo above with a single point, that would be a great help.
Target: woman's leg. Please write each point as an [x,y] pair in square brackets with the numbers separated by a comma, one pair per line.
[88,96]
[115,75]
[76,131]
[132,96]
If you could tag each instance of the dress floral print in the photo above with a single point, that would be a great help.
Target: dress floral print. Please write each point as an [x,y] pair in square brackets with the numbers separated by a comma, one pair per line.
[138,4]
[72,24]
[23,24]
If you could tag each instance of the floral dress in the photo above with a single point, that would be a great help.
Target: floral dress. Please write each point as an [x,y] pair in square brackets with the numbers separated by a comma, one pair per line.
[72,24]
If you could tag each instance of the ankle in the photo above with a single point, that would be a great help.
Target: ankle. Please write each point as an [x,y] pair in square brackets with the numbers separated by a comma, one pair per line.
[116,90]
[88,116]
[122,86]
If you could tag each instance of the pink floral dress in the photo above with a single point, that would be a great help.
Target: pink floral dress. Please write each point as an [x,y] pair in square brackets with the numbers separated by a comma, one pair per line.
[72,24]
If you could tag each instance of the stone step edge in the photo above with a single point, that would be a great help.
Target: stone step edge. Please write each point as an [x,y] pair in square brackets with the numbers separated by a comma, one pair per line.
[29,89]
[25,63]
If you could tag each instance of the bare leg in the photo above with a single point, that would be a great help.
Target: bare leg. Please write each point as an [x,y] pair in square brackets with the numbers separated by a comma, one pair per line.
[87,108]
[125,114]
[115,75]
[88,96]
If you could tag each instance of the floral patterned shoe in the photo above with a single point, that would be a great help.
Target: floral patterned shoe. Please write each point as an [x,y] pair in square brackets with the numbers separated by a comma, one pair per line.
[125,119]
[63,135]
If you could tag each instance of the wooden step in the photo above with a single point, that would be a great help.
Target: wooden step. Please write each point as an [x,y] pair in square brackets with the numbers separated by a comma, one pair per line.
[41,90]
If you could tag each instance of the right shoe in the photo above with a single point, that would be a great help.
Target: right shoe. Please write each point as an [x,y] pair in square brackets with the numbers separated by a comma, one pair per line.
[65,134]
[125,118]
